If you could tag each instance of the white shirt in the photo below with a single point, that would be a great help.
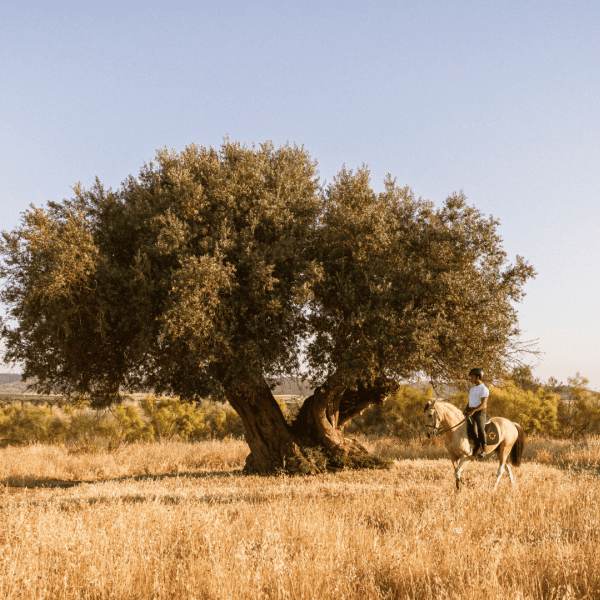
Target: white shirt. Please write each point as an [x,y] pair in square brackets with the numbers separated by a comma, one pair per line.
[476,395]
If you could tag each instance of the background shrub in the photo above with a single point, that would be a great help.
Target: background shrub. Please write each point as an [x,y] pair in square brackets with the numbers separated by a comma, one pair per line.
[153,419]
[401,415]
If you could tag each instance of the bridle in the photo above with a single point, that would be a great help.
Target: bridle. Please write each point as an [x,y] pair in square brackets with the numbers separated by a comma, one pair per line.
[436,429]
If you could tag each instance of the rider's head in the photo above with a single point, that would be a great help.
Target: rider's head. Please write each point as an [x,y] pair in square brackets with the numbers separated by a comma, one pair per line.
[476,374]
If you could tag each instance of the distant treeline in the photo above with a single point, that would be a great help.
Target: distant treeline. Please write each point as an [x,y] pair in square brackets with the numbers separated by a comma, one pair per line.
[290,386]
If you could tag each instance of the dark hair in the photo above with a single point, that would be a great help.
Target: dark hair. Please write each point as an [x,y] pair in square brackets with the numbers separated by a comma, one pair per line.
[476,372]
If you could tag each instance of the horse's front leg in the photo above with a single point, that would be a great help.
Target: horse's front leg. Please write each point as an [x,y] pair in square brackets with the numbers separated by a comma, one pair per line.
[455,462]
[460,463]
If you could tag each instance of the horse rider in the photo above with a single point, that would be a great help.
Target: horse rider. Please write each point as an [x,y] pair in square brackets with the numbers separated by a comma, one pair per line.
[478,397]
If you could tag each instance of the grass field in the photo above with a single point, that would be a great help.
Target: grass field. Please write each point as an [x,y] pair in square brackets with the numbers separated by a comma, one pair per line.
[175,520]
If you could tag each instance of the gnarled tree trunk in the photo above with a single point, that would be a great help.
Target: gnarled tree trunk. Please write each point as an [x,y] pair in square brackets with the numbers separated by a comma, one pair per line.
[267,433]
[315,441]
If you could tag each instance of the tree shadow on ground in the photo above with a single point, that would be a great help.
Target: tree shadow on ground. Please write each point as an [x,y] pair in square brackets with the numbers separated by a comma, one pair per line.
[220,497]
[31,482]
[71,504]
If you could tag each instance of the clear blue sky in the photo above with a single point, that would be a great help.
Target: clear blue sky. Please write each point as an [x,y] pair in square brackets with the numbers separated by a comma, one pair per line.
[501,99]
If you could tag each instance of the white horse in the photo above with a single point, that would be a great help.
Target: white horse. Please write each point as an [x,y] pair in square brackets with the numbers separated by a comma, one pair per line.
[443,417]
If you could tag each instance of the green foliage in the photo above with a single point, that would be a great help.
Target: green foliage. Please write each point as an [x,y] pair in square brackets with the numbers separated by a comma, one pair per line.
[309,461]
[312,460]
[579,411]
[20,425]
[408,288]
[89,429]
[523,378]
[199,261]
[129,424]
[536,411]
[207,271]
[172,418]
[290,410]
[401,415]
[86,428]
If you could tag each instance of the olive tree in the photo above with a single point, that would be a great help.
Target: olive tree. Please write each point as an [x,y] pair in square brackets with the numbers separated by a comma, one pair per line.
[215,272]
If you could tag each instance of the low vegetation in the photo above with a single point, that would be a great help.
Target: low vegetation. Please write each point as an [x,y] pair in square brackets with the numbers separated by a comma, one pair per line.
[148,500]
[149,420]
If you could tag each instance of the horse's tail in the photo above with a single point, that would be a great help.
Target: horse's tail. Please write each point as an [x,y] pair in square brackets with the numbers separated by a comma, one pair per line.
[516,453]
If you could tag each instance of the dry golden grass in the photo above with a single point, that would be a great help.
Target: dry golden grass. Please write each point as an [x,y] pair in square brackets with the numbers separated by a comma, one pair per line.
[179,521]
[38,465]
[581,455]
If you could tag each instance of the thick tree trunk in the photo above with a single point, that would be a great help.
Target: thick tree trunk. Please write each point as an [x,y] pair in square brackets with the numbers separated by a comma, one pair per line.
[267,433]
[324,415]
[315,442]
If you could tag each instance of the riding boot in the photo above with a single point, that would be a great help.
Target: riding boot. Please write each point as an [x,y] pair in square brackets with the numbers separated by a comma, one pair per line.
[480,418]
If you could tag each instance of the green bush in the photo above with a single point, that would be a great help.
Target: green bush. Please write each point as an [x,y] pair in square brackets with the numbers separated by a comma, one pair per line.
[579,411]
[87,428]
[173,419]
[154,419]
[21,425]
[129,425]
[536,412]
[539,411]
[401,415]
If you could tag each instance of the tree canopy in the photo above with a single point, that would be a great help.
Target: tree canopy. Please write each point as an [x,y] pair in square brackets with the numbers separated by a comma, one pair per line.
[215,272]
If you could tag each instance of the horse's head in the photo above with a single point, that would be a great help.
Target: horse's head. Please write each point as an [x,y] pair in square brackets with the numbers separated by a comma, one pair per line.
[432,418]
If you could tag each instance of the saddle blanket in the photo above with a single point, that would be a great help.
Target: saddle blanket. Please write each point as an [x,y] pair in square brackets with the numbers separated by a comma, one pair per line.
[492,435]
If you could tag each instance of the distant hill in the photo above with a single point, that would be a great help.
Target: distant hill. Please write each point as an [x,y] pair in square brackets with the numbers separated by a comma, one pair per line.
[10,383]
[293,387]
[9,377]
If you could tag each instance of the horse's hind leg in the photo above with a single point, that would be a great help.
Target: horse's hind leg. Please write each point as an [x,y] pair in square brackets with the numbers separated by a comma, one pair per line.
[510,473]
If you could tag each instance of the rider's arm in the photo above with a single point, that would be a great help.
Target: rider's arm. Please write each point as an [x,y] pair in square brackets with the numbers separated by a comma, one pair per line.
[471,410]
[482,405]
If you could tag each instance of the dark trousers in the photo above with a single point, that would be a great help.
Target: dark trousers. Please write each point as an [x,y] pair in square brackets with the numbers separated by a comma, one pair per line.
[480,418]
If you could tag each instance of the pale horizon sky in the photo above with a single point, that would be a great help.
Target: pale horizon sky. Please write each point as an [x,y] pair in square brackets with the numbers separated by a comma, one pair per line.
[500,100]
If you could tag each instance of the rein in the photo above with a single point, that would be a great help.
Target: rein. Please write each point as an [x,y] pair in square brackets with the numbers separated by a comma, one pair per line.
[436,429]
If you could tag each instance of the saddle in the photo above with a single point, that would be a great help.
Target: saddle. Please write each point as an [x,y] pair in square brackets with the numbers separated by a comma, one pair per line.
[492,436]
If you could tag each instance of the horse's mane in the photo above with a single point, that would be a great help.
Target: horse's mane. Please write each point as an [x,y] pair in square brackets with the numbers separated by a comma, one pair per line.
[450,408]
